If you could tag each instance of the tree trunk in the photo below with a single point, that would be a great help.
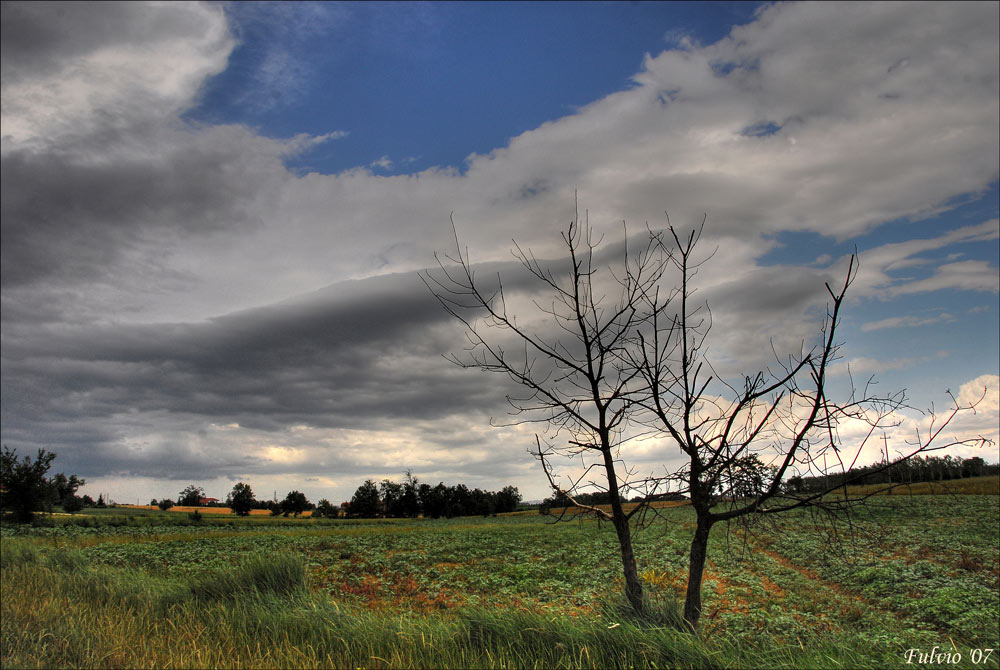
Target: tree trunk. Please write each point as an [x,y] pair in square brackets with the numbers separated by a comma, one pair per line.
[633,586]
[696,568]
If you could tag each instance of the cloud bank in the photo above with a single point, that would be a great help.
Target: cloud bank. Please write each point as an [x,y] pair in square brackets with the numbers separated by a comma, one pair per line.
[179,304]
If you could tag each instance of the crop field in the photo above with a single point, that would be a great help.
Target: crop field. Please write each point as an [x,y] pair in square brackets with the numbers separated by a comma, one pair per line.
[907,573]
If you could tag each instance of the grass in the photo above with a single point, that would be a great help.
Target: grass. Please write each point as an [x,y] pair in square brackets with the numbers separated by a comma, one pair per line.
[504,592]
[261,615]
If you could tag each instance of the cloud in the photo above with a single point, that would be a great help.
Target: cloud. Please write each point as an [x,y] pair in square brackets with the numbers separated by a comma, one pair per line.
[868,366]
[906,322]
[383,163]
[67,66]
[165,280]
[879,268]
[964,275]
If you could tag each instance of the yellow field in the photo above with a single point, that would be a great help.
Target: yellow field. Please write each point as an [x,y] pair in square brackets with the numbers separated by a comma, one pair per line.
[204,510]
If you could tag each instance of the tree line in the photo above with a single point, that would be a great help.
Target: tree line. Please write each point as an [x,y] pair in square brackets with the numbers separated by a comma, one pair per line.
[411,498]
[751,477]
[387,499]
[913,471]
[25,488]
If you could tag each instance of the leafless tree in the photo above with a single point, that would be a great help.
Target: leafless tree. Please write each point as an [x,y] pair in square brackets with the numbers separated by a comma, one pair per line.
[600,371]
[573,376]
[742,444]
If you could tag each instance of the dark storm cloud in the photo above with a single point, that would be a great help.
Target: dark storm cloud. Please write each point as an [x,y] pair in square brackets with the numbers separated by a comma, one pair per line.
[68,217]
[97,168]
[772,310]
[346,356]
[358,355]
[37,38]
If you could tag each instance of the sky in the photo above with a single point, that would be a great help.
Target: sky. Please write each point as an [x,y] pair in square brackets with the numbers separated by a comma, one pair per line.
[214,216]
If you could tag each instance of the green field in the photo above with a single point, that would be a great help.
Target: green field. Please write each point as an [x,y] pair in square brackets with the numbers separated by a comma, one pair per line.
[141,591]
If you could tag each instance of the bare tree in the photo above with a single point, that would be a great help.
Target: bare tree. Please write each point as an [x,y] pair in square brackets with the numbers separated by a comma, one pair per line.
[573,375]
[600,371]
[741,444]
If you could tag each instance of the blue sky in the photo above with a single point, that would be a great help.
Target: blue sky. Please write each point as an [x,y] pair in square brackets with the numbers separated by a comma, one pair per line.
[214,215]
[429,84]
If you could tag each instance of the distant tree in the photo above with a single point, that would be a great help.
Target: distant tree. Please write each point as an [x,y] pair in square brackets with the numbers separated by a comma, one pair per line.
[191,496]
[435,501]
[88,501]
[294,503]
[391,494]
[424,497]
[508,499]
[63,487]
[326,509]
[241,499]
[165,504]
[365,502]
[483,502]
[100,501]
[795,484]
[153,502]
[72,504]
[745,477]
[23,486]
[409,504]
[973,467]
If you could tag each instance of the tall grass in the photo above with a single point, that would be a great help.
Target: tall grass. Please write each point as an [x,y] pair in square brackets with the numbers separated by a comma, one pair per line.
[60,611]
[281,575]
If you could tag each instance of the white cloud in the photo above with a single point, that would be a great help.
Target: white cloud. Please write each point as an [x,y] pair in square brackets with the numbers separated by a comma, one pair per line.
[383,163]
[964,275]
[285,68]
[672,143]
[876,264]
[152,68]
[865,367]
[964,434]
[906,322]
